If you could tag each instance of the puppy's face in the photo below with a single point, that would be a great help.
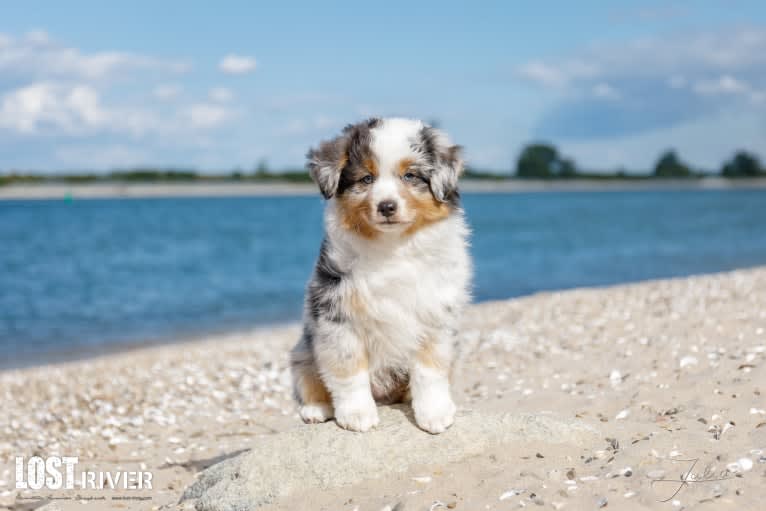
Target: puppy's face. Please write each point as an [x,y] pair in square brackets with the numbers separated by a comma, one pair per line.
[388,176]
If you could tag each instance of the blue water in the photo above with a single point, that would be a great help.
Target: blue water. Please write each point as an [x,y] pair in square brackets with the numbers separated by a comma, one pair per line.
[80,277]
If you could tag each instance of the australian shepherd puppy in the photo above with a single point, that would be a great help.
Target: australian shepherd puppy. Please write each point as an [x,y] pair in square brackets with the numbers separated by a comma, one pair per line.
[392,277]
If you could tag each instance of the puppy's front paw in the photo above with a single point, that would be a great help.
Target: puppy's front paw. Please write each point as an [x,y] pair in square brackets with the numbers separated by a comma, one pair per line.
[357,416]
[314,413]
[435,416]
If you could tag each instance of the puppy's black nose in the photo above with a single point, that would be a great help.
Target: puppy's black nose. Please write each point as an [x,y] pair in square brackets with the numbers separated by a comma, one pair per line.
[387,208]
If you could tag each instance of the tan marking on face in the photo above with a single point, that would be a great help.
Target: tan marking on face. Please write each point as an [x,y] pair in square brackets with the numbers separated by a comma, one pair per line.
[428,356]
[343,161]
[355,213]
[312,389]
[371,165]
[427,209]
[404,165]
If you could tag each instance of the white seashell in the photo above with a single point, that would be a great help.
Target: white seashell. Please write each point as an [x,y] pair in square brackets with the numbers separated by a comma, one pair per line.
[622,415]
[745,464]
[511,493]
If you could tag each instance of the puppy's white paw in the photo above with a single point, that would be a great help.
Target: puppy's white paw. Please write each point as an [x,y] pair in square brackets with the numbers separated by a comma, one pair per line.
[435,416]
[357,416]
[315,413]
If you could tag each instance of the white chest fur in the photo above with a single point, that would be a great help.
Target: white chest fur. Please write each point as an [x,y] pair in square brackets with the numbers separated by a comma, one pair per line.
[402,291]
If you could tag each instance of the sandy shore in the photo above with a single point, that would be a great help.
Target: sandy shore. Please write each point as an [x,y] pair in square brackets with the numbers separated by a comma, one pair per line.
[245,189]
[666,370]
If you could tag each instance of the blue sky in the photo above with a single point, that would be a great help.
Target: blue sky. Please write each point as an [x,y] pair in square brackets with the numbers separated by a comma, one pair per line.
[102,85]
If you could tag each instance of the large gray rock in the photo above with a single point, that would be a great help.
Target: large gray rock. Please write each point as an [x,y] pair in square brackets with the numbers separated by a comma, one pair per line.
[324,456]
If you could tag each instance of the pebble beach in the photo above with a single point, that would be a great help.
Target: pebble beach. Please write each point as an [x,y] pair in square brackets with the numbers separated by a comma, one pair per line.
[668,371]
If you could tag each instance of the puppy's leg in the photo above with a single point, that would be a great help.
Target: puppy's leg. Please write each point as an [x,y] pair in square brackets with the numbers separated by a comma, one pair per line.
[310,390]
[429,384]
[342,361]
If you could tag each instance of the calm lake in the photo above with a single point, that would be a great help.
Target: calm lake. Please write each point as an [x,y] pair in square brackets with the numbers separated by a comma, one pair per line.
[81,277]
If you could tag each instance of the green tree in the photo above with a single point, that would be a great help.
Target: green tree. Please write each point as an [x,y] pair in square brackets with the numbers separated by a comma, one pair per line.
[262,168]
[567,168]
[743,164]
[670,165]
[543,161]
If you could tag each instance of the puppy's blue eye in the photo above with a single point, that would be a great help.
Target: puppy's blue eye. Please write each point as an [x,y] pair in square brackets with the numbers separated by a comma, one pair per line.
[409,176]
[367,179]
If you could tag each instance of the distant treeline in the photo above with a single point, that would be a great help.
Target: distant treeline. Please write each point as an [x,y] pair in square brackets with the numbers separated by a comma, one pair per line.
[536,161]
[543,161]
[156,175]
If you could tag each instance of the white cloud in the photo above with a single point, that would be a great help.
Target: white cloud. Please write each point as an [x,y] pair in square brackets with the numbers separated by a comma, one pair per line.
[37,55]
[39,37]
[725,84]
[559,74]
[45,105]
[46,108]
[167,92]
[204,115]
[542,73]
[659,81]
[221,94]
[673,59]
[237,64]
[605,91]
[51,108]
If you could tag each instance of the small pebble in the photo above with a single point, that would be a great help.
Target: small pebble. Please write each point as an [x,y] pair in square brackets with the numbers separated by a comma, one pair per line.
[602,502]
[688,361]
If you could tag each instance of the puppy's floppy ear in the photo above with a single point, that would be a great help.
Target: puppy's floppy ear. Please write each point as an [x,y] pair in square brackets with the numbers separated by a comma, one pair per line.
[326,162]
[446,160]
